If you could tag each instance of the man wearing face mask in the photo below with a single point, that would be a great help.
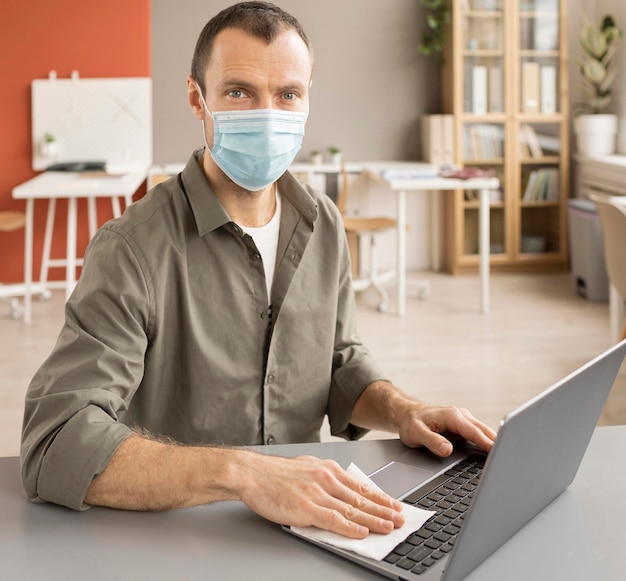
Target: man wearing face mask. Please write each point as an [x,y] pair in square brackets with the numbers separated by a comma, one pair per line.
[218,312]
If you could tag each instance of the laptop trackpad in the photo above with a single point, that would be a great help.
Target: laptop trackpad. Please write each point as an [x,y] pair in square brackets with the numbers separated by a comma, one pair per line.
[397,479]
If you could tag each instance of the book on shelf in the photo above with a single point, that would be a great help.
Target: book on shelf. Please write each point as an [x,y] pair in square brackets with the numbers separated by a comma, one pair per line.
[432,139]
[542,185]
[530,139]
[530,87]
[438,139]
[479,89]
[483,141]
[447,125]
[548,89]
[467,88]
[495,86]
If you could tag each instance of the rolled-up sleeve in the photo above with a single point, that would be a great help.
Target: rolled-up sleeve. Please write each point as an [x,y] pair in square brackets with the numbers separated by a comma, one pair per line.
[73,403]
[354,368]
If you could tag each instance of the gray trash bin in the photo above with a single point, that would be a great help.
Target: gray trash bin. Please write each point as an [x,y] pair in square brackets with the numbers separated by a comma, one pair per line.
[589,278]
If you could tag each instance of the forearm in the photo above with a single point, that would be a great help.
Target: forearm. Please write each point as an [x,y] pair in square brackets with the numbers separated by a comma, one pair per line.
[146,474]
[382,406]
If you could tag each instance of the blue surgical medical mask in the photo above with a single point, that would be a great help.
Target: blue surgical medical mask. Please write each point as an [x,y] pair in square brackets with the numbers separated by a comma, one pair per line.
[255,147]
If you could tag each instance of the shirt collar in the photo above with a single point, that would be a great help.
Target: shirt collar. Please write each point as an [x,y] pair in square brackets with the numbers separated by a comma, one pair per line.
[210,215]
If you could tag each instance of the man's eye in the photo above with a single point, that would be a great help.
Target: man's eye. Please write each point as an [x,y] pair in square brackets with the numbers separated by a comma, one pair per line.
[289,96]
[236,94]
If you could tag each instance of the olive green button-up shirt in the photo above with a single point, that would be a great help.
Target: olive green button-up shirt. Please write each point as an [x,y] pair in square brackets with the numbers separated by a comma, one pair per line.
[169,330]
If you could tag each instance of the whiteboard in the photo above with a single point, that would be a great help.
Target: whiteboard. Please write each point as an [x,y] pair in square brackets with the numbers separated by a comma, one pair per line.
[102,119]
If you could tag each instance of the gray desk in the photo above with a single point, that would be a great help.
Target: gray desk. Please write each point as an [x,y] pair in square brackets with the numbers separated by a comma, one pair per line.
[579,536]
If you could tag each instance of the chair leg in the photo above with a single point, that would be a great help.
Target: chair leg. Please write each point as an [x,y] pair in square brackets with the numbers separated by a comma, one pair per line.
[384,297]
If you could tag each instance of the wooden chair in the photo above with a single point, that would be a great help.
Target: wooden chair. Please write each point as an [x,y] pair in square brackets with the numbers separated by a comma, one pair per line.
[365,228]
[10,221]
[612,210]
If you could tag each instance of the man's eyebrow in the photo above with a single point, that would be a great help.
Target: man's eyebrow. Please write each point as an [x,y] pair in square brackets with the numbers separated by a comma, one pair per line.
[234,82]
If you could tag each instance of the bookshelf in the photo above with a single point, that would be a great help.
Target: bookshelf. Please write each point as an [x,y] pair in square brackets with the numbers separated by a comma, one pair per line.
[505,86]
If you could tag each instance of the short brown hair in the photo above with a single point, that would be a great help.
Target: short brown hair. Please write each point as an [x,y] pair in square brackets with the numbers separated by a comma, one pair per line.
[262,20]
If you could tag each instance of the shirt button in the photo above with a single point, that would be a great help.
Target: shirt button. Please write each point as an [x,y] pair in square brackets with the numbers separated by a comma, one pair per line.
[263,314]
[255,256]
[270,440]
[270,378]
[236,229]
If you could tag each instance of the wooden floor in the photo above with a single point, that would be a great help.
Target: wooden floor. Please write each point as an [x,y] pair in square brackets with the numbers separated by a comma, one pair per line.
[443,351]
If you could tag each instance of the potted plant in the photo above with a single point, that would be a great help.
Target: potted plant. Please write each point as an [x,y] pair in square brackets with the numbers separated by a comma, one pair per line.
[316,157]
[335,154]
[596,129]
[438,16]
[49,146]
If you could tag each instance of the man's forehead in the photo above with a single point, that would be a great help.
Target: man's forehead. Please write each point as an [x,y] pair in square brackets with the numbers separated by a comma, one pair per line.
[234,46]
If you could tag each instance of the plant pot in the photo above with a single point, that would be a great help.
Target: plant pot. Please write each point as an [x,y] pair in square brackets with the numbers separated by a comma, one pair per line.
[49,149]
[335,158]
[595,134]
[317,158]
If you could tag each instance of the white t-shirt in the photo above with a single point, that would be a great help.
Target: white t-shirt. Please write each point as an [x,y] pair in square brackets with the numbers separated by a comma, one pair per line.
[266,240]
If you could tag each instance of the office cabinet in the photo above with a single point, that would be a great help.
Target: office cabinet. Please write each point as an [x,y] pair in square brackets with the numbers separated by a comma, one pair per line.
[505,83]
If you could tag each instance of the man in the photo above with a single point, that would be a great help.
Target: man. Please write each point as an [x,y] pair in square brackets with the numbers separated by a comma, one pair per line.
[218,312]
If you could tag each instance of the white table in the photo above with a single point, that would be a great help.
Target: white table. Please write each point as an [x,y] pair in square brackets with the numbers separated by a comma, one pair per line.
[401,179]
[402,186]
[52,186]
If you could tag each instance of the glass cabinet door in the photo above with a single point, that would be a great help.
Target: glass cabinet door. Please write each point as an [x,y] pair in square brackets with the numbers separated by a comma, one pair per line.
[539,128]
[483,130]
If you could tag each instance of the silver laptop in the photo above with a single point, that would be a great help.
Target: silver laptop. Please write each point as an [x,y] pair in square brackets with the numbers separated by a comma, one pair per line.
[481,501]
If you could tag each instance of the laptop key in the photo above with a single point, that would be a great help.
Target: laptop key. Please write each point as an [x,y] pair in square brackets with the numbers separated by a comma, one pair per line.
[392,558]
[419,569]
[405,564]
[433,526]
[443,537]
[424,533]
[452,529]
[419,553]
[403,549]
[433,544]
[426,490]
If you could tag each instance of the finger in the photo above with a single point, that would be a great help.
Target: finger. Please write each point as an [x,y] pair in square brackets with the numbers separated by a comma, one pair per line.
[476,431]
[428,431]
[365,490]
[360,502]
[349,520]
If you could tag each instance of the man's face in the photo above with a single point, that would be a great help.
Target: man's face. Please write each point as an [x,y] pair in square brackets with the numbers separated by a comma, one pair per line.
[246,73]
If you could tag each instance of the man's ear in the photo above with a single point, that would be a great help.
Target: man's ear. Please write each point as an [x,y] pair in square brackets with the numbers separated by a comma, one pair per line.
[193,98]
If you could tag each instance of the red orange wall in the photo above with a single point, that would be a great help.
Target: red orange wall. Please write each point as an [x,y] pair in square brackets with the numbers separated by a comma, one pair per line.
[99,39]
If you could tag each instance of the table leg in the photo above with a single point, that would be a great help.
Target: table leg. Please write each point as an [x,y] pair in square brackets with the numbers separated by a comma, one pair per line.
[116,207]
[483,220]
[401,252]
[435,232]
[28,259]
[92,216]
[47,242]
[70,268]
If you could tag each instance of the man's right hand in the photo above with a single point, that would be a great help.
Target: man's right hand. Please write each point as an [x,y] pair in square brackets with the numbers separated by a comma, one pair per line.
[307,491]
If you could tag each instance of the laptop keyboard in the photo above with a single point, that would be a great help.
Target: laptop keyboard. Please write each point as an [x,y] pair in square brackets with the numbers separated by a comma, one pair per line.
[450,495]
